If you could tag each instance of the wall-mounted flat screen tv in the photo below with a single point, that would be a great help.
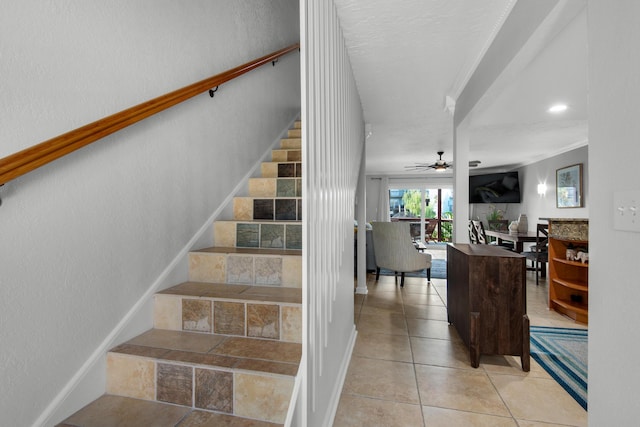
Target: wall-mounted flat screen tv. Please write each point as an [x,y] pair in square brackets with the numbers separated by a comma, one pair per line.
[494,188]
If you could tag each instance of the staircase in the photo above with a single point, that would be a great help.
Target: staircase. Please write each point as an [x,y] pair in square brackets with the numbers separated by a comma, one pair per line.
[226,345]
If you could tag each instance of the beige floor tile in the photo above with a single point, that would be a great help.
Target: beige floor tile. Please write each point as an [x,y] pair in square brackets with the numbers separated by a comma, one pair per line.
[382,379]
[463,389]
[383,297]
[442,417]
[431,329]
[525,423]
[539,399]
[510,365]
[424,299]
[423,311]
[498,393]
[383,346]
[385,285]
[382,309]
[358,411]
[423,287]
[436,352]
[393,323]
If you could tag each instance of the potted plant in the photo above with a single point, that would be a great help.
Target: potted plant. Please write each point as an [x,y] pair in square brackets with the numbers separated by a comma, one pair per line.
[495,219]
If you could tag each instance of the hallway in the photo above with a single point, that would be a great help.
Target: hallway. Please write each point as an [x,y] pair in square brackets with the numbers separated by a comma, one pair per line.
[410,368]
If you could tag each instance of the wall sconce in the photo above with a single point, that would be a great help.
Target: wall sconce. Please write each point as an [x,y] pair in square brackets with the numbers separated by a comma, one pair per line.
[542,189]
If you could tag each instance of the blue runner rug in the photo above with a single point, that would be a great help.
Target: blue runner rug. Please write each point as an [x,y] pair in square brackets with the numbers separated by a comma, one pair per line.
[562,352]
[438,270]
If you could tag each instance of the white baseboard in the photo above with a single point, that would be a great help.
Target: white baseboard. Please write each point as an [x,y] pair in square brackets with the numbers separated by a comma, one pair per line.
[332,408]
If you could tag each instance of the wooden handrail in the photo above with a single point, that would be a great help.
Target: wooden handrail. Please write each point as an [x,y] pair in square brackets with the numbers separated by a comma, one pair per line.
[31,158]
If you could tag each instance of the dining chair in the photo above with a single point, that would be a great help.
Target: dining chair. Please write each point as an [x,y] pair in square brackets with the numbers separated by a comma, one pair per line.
[538,253]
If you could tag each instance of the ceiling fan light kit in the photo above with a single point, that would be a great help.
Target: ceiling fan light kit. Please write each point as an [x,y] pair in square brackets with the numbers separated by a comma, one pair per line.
[439,165]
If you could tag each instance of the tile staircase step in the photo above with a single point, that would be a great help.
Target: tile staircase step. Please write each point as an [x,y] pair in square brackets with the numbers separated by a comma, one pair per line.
[291,143]
[247,377]
[258,234]
[267,208]
[110,410]
[275,187]
[281,169]
[286,155]
[254,266]
[239,310]
[297,124]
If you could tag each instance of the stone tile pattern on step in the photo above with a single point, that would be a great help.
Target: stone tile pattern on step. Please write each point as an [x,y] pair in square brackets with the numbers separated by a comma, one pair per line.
[174,384]
[214,390]
[257,268]
[263,321]
[164,368]
[196,315]
[229,318]
[279,320]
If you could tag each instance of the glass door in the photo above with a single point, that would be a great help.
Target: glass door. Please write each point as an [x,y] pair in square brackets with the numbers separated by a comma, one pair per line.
[429,211]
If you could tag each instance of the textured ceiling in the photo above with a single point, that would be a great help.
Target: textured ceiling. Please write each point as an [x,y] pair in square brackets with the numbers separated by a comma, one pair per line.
[408,56]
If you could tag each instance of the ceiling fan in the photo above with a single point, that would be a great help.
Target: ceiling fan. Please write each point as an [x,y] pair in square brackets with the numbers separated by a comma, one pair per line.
[439,165]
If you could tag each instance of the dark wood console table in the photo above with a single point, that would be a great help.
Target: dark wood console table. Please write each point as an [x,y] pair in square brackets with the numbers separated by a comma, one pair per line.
[487,300]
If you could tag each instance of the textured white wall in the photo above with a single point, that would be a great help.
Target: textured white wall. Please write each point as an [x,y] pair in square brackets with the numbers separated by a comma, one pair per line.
[614,91]
[535,206]
[84,238]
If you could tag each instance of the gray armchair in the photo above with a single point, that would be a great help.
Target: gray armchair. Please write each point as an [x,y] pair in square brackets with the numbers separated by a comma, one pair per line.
[394,250]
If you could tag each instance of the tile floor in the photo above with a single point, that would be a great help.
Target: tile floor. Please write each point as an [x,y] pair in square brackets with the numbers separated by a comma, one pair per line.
[410,368]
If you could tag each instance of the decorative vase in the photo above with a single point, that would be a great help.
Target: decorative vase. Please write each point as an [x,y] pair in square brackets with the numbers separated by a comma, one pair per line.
[523,224]
[513,227]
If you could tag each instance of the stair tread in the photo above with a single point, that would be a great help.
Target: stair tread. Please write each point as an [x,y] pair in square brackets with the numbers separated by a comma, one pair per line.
[263,221]
[269,197]
[211,350]
[249,251]
[110,410]
[236,292]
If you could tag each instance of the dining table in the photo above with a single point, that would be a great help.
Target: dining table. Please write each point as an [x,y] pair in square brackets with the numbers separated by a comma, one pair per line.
[518,239]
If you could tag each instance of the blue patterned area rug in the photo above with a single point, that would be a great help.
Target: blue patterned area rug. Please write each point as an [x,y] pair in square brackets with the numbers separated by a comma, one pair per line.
[438,270]
[562,352]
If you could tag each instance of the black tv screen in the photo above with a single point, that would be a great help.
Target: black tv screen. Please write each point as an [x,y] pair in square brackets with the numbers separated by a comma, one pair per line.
[494,188]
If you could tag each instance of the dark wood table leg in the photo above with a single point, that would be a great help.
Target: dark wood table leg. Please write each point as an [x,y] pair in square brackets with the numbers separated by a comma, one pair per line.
[525,359]
[474,341]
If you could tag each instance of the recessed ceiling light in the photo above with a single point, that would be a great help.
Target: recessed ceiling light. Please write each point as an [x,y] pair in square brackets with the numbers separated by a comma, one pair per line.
[558,108]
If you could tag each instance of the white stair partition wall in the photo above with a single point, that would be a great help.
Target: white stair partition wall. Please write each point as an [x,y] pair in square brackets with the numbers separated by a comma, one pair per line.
[332,140]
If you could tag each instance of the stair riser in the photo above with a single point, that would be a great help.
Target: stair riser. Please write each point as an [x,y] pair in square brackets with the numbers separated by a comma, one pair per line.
[291,143]
[294,133]
[282,155]
[281,169]
[268,209]
[282,322]
[275,187]
[251,395]
[258,235]
[246,269]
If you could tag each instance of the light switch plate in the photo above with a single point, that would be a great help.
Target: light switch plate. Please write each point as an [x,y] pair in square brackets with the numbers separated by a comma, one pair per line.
[626,210]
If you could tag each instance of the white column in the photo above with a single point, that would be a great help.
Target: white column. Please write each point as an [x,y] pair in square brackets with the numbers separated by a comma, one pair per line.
[362,229]
[460,184]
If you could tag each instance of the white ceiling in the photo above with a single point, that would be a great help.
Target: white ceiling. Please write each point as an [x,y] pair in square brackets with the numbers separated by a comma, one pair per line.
[409,55]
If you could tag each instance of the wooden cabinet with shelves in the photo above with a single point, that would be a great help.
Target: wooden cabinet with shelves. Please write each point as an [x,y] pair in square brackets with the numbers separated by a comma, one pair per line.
[568,279]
